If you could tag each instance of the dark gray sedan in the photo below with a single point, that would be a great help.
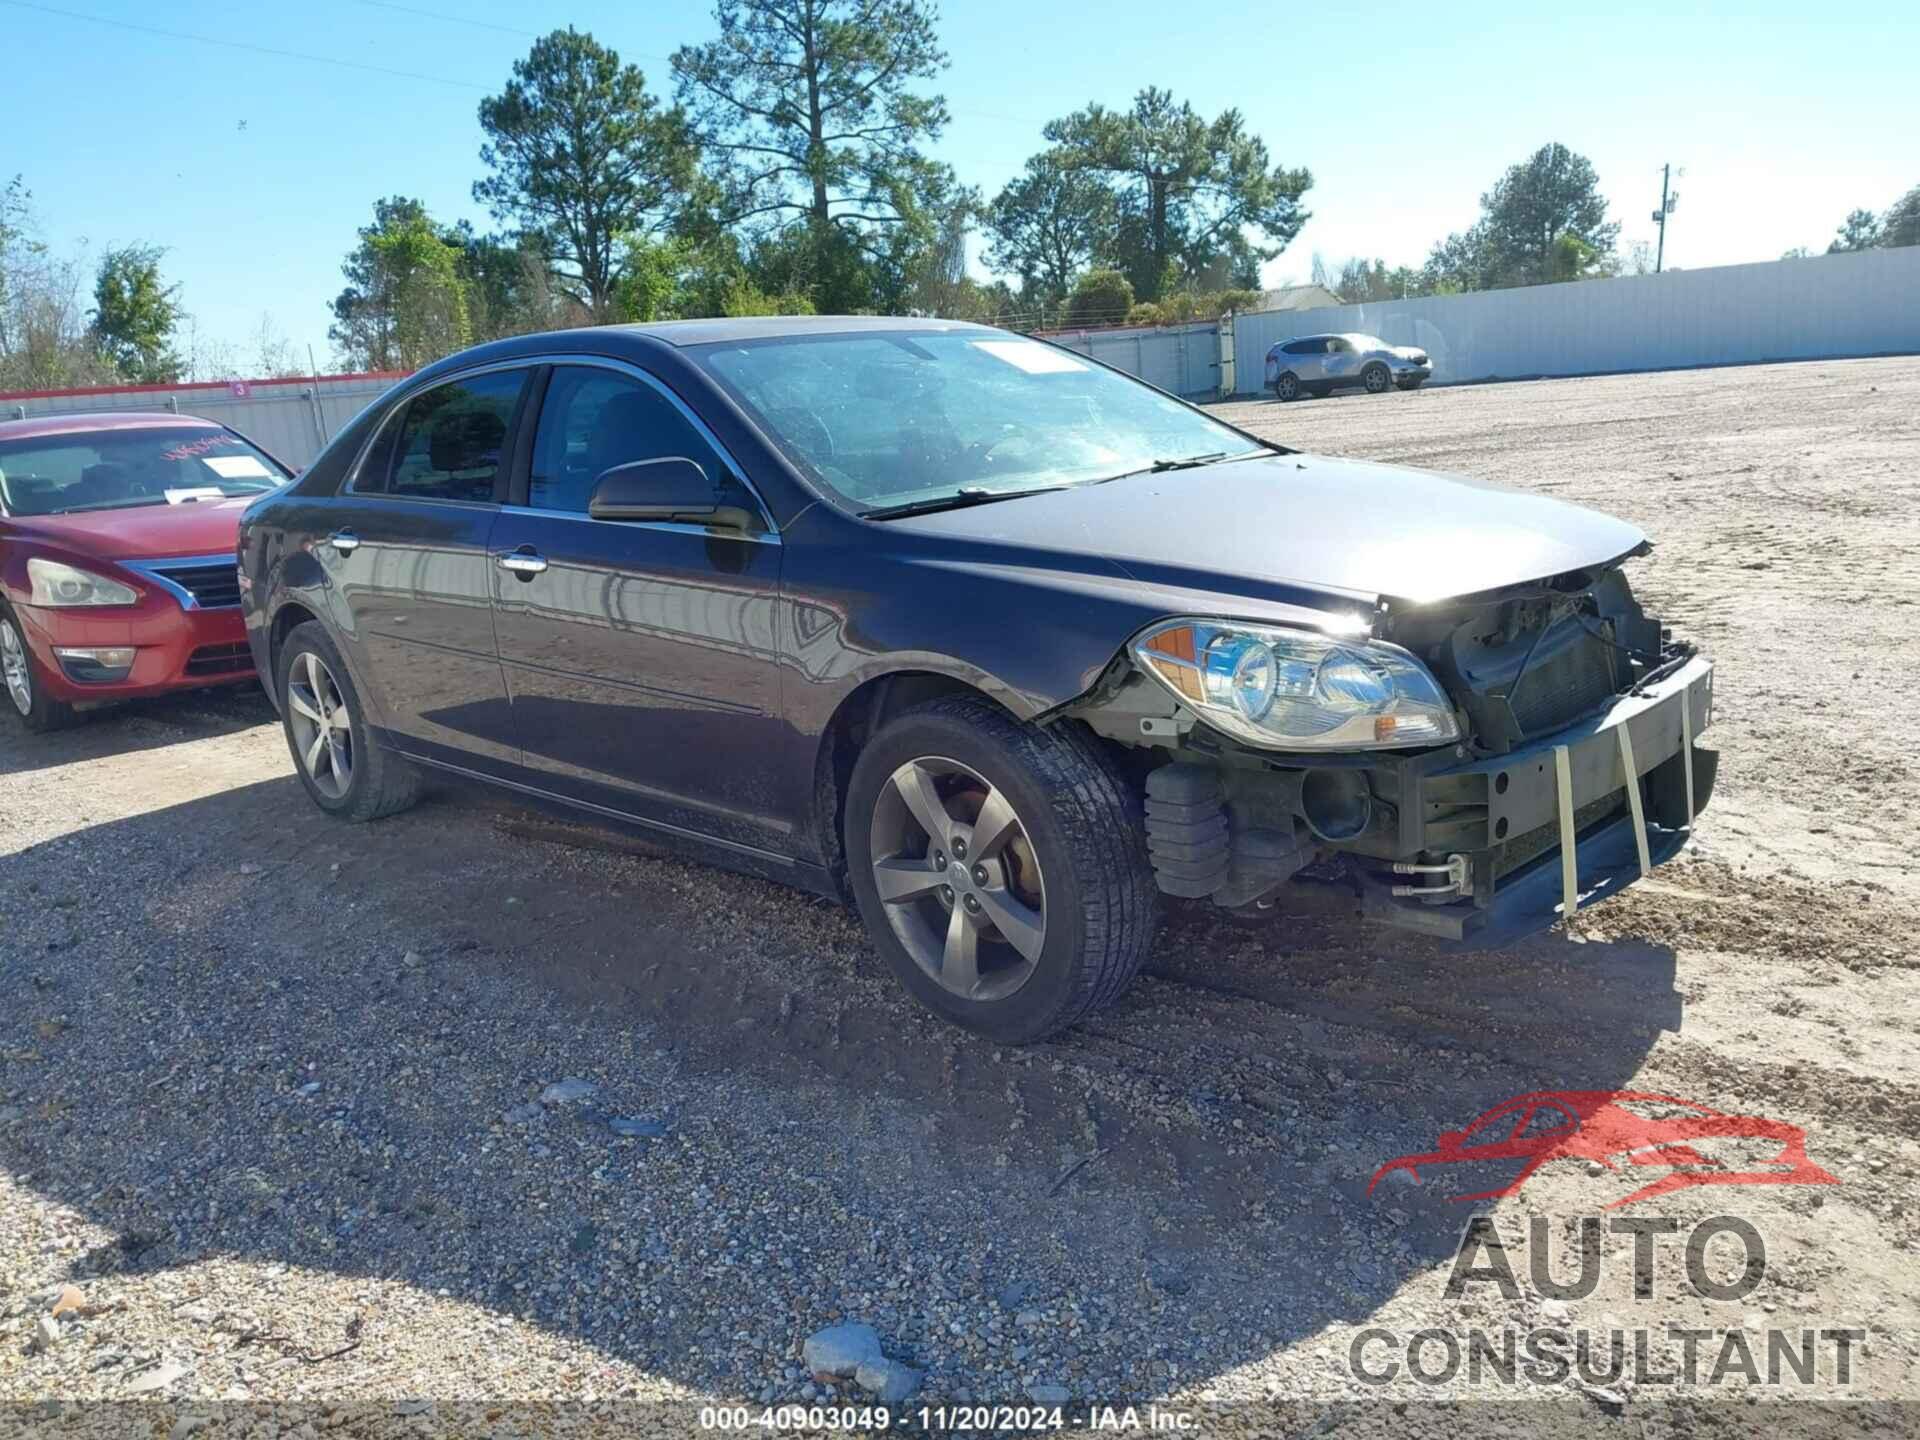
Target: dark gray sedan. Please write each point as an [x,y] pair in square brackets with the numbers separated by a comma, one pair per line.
[1000,644]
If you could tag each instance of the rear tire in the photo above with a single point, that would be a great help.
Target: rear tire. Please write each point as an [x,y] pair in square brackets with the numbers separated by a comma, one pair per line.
[345,770]
[1287,387]
[1072,838]
[27,697]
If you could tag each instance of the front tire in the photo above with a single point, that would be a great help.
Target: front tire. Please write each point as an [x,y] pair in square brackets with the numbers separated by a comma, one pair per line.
[1377,378]
[28,699]
[345,771]
[1018,893]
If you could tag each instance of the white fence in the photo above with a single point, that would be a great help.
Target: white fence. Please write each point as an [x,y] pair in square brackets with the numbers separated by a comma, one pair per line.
[1182,359]
[290,419]
[1863,303]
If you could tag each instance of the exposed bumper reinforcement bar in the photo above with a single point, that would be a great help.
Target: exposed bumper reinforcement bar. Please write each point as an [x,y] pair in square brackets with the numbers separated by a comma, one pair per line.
[1555,784]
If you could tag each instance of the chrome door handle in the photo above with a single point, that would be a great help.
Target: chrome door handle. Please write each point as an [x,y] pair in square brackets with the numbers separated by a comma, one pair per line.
[523,563]
[345,541]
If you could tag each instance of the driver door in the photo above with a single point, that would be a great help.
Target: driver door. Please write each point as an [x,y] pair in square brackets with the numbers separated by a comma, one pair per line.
[1338,362]
[640,655]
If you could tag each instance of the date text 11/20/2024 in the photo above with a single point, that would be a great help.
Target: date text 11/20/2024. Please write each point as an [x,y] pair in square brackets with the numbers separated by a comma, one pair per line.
[946,1419]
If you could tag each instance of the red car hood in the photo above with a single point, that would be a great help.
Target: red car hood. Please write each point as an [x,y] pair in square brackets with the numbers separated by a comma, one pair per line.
[140,532]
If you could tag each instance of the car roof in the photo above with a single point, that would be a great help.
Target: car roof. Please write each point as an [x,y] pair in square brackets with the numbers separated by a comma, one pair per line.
[76,422]
[773,327]
[635,341]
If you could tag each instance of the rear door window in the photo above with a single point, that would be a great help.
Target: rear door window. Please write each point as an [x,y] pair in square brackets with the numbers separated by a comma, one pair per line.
[450,442]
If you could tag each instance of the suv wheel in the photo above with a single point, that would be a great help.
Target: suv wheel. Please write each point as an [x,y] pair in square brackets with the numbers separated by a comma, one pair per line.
[1287,387]
[1378,379]
[27,695]
[344,769]
[1001,868]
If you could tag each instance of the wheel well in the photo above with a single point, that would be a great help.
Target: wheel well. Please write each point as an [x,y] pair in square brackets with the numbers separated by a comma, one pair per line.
[289,615]
[860,714]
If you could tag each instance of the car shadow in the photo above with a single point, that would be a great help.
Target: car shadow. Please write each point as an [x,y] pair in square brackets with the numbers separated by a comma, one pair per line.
[237,1028]
[135,725]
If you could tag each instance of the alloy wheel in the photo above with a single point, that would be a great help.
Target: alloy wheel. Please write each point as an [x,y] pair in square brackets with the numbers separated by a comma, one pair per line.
[322,726]
[1288,387]
[1377,380]
[13,662]
[957,873]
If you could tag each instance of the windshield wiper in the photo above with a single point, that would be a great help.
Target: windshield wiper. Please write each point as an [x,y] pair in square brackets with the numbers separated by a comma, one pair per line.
[1184,462]
[128,504]
[962,498]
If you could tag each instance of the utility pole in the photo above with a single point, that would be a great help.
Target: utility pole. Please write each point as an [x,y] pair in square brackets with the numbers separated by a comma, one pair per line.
[1667,203]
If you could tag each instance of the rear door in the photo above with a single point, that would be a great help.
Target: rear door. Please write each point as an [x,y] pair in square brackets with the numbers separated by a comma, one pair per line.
[640,655]
[409,564]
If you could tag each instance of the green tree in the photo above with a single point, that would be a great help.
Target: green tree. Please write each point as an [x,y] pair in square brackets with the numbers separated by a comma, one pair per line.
[1859,231]
[1521,236]
[1102,297]
[805,114]
[405,303]
[134,315]
[1049,225]
[45,342]
[508,282]
[1901,224]
[582,156]
[1189,191]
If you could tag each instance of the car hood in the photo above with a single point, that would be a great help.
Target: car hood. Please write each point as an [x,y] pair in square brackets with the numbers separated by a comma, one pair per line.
[140,532]
[1349,528]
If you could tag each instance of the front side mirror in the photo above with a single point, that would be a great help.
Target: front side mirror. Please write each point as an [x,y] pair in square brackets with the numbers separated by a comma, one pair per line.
[672,488]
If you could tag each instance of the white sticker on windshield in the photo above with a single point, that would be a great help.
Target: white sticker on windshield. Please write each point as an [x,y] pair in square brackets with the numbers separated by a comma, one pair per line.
[236,467]
[195,493]
[1027,356]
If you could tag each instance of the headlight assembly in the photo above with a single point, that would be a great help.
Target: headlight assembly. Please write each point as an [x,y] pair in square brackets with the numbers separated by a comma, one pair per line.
[1286,689]
[57,584]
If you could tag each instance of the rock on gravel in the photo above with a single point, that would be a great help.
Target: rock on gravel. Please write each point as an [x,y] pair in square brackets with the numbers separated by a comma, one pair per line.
[1049,1394]
[888,1381]
[837,1352]
[158,1378]
[568,1092]
[634,1127]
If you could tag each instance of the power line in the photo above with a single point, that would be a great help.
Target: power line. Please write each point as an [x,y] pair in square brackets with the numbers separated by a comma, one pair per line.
[244,45]
[448,19]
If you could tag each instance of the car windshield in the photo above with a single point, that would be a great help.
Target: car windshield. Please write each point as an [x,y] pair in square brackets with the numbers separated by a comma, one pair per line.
[883,420]
[1367,342]
[111,469]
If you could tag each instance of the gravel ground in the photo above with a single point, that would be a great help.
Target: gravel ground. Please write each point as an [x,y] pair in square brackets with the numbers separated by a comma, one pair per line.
[282,1100]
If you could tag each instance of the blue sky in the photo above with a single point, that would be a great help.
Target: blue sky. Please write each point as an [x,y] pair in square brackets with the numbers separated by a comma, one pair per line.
[254,169]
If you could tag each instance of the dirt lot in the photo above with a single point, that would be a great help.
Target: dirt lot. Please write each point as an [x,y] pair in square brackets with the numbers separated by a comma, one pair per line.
[270,1085]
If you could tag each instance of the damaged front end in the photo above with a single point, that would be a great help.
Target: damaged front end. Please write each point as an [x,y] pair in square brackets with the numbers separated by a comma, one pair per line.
[1565,764]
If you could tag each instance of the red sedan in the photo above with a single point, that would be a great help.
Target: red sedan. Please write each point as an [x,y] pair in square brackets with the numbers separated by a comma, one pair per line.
[117,568]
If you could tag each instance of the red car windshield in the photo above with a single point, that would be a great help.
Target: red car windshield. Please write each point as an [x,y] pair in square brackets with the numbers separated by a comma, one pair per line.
[114,469]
